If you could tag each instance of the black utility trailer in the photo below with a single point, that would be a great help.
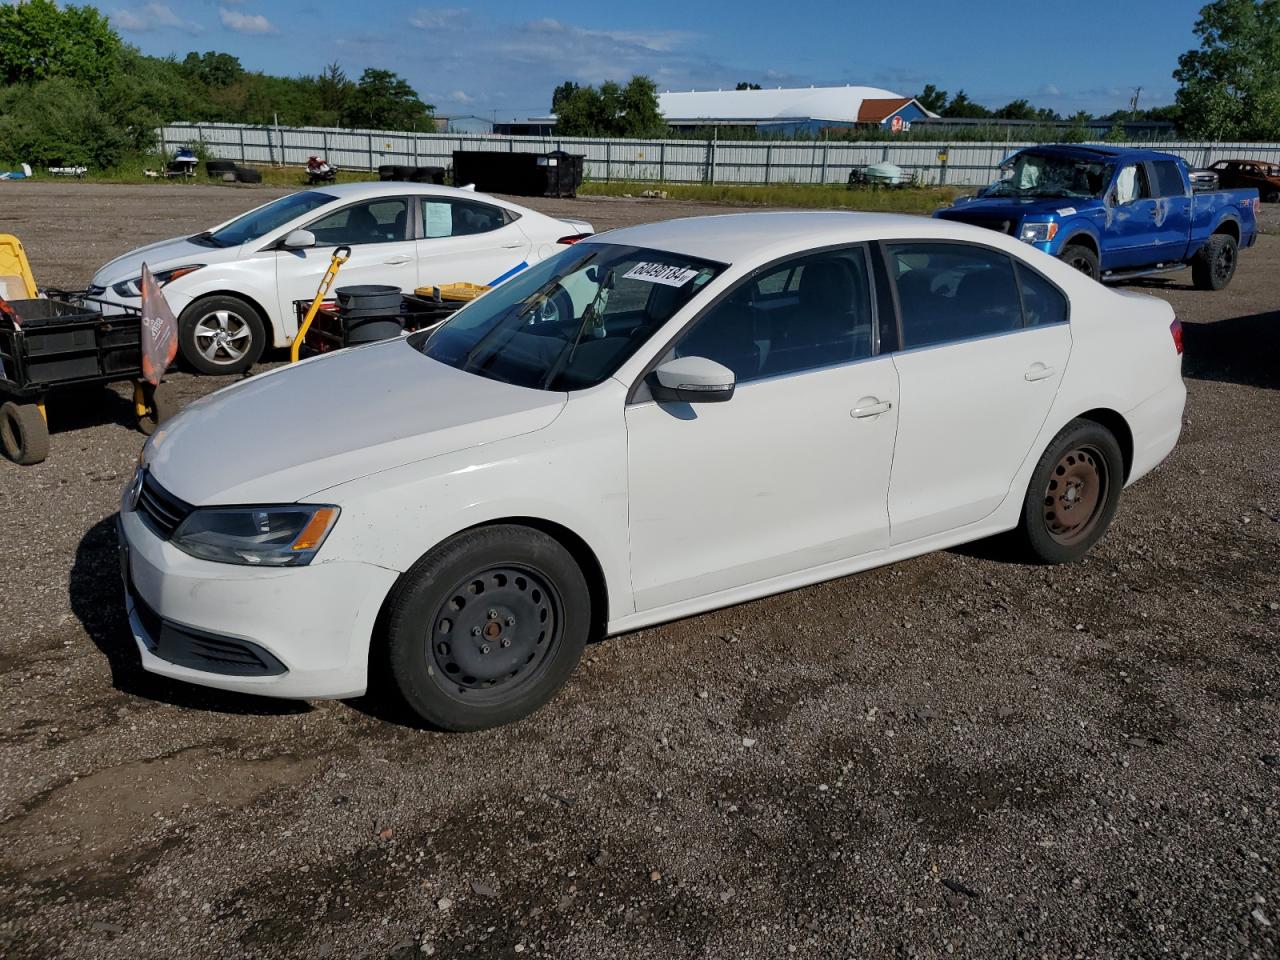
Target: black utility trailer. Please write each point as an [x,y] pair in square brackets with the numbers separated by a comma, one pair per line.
[50,345]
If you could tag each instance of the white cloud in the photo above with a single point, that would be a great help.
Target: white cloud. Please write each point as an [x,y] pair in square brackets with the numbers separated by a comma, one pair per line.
[153,16]
[250,23]
[439,18]
[461,96]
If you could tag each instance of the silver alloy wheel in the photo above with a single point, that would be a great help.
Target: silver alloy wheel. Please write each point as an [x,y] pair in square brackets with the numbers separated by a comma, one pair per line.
[223,337]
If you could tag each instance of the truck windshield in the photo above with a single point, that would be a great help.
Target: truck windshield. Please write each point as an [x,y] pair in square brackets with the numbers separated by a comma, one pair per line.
[1030,174]
[257,223]
[572,320]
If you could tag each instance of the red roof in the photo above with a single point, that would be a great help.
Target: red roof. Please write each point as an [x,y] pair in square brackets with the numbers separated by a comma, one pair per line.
[877,111]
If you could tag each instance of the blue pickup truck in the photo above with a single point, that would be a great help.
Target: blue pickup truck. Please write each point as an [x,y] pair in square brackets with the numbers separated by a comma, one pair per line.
[1116,213]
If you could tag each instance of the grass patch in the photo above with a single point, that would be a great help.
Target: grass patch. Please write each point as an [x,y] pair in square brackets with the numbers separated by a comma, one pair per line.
[801,195]
[295,177]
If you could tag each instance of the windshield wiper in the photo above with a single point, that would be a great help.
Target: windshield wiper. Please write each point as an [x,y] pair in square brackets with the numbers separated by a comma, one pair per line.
[206,239]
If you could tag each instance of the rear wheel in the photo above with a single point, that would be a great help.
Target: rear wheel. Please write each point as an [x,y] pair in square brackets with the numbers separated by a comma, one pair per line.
[23,433]
[1073,493]
[486,628]
[1215,264]
[1083,259]
[1271,196]
[221,335]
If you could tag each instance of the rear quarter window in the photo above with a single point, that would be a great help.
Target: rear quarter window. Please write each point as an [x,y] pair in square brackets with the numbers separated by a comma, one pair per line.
[1169,181]
[1042,302]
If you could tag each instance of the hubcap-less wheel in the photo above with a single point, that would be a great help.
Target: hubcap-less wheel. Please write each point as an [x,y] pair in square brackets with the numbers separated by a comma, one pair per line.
[1083,264]
[1224,264]
[1075,496]
[495,633]
[223,337]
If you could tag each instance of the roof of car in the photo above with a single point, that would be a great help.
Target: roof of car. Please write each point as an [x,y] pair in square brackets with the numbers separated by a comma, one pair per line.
[380,188]
[1094,151]
[734,237]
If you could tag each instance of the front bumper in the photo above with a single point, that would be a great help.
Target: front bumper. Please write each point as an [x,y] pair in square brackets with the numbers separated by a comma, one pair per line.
[300,632]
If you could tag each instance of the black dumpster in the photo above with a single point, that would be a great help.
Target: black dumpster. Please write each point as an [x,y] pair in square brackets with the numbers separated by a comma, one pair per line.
[555,174]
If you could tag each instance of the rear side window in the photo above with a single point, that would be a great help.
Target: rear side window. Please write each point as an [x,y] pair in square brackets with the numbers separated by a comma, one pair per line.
[953,291]
[1042,302]
[1168,179]
[460,218]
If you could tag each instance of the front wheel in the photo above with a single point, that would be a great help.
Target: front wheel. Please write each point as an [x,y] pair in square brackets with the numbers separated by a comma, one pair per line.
[1083,259]
[221,335]
[1215,264]
[1073,494]
[487,627]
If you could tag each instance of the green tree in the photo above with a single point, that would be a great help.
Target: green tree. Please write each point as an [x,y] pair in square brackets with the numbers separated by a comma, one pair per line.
[384,100]
[933,99]
[1079,131]
[613,110]
[333,89]
[58,121]
[747,85]
[1230,86]
[962,108]
[213,69]
[562,93]
[39,40]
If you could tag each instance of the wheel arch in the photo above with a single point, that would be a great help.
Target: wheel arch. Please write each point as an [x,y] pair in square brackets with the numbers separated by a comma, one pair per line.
[1120,429]
[1083,238]
[268,320]
[1228,226]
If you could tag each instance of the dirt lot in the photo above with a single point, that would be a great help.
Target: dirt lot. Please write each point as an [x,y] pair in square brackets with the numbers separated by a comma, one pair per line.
[955,755]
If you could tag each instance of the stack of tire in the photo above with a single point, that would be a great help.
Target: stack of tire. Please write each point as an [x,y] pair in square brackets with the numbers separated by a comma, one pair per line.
[232,172]
[411,174]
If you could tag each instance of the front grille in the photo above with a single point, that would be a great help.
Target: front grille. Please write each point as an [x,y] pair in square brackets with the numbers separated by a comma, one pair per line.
[159,509]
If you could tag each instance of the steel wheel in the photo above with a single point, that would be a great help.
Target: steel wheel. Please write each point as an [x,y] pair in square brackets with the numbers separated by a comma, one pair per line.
[495,633]
[223,337]
[1224,264]
[1075,495]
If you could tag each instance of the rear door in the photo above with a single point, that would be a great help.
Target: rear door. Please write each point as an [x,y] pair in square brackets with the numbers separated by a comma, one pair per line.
[468,241]
[377,231]
[1172,220]
[985,342]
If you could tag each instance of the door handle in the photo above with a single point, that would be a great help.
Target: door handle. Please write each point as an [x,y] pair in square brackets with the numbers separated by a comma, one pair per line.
[870,407]
[1038,371]
[512,246]
[397,260]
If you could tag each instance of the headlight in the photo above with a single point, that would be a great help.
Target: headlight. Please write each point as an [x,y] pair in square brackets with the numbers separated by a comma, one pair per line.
[133,287]
[1038,232]
[284,536]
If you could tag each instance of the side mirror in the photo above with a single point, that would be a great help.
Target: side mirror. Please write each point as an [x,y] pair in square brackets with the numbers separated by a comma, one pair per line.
[298,240]
[692,380]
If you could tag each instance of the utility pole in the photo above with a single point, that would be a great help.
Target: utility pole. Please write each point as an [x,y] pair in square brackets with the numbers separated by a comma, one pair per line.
[1133,102]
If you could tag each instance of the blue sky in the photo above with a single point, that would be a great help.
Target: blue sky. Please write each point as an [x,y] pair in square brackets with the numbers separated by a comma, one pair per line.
[507,57]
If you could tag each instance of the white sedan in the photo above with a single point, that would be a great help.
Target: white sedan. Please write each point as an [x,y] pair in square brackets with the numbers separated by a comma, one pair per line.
[233,287]
[745,404]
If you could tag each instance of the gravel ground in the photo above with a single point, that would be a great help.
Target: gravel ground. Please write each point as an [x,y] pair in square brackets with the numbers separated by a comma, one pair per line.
[953,755]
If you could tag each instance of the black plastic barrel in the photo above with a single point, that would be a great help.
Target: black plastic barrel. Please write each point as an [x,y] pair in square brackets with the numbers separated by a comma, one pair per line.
[370,312]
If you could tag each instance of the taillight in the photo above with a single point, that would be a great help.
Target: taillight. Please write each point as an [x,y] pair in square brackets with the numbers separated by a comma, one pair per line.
[1175,329]
[573,238]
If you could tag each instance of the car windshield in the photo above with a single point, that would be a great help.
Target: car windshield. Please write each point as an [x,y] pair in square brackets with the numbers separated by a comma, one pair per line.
[1030,174]
[257,223]
[572,320]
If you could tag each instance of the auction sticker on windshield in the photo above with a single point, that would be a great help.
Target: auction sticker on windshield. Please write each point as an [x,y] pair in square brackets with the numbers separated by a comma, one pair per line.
[661,273]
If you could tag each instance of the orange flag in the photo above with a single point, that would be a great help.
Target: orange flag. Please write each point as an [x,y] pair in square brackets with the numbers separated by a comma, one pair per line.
[159,330]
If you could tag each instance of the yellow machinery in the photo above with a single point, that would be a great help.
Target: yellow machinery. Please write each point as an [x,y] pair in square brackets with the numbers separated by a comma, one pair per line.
[340,256]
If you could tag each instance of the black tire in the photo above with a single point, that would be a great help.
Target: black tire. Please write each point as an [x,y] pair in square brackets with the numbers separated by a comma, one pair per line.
[158,410]
[487,627]
[216,168]
[1081,470]
[1083,259]
[1271,196]
[23,433]
[1215,264]
[203,317]
[248,175]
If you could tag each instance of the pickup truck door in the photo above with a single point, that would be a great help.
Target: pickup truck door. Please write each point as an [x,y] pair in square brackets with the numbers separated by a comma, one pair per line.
[1173,210]
[1128,238]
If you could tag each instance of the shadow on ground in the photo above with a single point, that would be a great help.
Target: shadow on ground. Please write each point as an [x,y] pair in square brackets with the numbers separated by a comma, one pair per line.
[1243,350]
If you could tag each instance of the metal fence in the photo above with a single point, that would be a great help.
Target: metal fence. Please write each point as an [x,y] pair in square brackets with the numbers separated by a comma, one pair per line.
[674,161]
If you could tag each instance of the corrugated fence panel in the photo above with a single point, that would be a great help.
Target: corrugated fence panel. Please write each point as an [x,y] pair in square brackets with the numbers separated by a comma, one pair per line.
[672,161]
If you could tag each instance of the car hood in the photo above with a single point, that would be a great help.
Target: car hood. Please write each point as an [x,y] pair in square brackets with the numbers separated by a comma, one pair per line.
[1011,207]
[166,253]
[287,434]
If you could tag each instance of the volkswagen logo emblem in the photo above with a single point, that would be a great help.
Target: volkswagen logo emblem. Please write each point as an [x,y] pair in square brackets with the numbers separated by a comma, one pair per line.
[134,490]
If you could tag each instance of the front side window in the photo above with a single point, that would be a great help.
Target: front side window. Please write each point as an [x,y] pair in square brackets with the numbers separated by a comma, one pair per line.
[1132,184]
[807,313]
[572,320]
[377,221]
[460,218]
[953,291]
[258,223]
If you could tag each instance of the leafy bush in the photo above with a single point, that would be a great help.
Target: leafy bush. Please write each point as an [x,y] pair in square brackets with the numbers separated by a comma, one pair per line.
[56,121]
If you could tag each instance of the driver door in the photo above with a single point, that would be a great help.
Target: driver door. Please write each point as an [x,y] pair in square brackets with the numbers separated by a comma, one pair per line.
[382,251]
[789,474]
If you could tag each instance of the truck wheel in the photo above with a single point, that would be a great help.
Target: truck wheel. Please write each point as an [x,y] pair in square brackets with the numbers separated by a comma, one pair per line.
[1215,264]
[23,433]
[1083,259]
[1271,196]
[221,335]
[486,628]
